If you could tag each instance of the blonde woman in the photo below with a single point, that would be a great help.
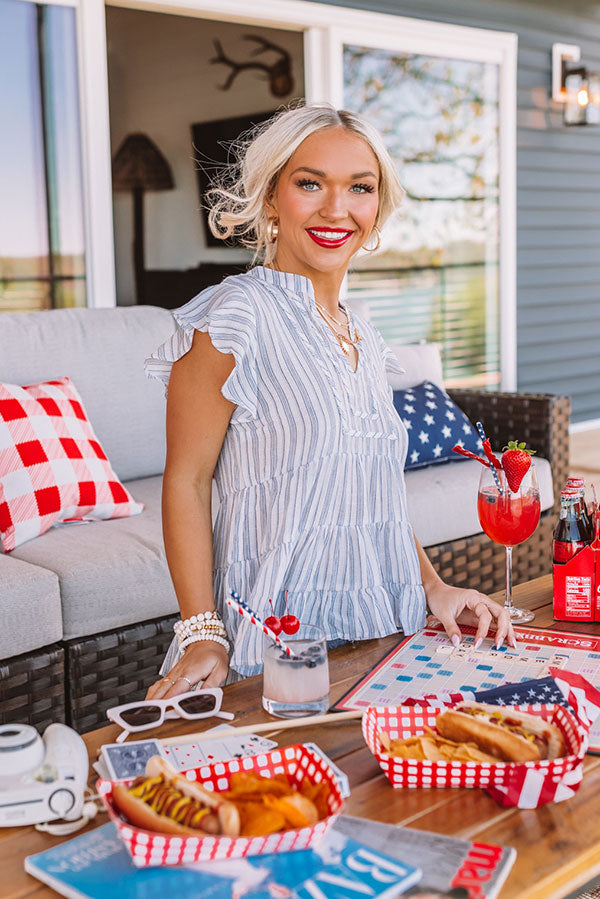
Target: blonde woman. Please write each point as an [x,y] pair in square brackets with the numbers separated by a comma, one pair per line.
[278,390]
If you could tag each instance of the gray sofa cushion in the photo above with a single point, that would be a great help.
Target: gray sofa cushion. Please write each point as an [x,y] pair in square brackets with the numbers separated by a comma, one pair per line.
[103,352]
[111,573]
[422,362]
[442,499]
[30,611]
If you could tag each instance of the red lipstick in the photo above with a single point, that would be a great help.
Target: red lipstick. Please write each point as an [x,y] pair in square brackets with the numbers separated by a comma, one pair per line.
[338,238]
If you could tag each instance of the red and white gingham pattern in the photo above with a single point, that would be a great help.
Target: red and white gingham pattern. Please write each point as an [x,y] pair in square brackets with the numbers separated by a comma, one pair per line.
[298,762]
[527,785]
[52,467]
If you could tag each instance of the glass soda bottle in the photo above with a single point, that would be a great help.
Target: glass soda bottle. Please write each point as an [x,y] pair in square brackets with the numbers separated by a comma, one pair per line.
[571,533]
[579,484]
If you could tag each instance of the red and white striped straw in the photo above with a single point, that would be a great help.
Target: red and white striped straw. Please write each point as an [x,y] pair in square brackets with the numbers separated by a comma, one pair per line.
[244,609]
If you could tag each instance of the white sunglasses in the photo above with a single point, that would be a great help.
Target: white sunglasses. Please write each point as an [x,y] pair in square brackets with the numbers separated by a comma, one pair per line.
[148,713]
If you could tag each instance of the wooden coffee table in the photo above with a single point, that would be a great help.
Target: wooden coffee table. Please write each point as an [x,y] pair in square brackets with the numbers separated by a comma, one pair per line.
[558,846]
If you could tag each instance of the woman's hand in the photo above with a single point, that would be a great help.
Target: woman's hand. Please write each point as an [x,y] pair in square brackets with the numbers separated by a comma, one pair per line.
[203,664]
[453,606]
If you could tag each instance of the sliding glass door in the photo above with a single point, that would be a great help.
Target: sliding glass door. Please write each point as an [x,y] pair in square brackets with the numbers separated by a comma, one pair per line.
[42,235]
[435,275]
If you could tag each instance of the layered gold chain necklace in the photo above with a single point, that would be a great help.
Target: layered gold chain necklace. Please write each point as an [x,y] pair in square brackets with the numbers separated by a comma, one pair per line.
[344,341]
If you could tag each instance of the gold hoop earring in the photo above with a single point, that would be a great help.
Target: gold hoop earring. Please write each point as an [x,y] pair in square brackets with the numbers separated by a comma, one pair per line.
[272,230]
[378,244]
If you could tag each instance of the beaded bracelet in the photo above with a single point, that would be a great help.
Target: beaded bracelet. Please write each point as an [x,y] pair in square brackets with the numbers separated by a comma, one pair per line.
[198,620]
[197,638]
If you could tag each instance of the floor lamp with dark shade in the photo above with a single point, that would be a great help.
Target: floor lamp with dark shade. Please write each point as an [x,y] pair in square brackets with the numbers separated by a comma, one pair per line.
[139,166]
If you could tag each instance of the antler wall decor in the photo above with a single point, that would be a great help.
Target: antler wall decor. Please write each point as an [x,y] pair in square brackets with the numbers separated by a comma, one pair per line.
[278,74]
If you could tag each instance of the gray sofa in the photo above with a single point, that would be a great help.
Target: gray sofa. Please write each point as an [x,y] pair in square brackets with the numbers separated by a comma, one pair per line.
[86,610]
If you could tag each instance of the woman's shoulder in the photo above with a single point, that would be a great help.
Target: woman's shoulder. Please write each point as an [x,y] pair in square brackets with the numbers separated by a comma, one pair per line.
[235,290]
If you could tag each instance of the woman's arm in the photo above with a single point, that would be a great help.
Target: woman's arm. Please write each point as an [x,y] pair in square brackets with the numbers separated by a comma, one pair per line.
[456,605]
[198,416]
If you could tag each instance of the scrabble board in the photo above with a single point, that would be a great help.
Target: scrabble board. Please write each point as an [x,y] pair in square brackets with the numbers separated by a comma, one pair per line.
[427,663]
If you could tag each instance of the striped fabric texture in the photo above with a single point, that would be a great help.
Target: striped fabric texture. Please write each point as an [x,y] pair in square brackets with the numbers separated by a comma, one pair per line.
[311,471]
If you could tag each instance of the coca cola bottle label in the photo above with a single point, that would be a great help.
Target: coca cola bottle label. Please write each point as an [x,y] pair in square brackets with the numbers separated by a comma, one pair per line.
[564,551]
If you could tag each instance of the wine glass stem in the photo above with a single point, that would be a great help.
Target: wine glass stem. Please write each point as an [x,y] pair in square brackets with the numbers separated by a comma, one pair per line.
[509,603]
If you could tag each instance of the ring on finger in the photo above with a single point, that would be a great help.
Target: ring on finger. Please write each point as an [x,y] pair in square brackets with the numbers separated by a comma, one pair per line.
[168,679]
[183,677]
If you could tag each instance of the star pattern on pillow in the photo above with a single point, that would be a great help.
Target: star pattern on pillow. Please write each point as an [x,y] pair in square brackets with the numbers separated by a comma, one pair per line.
[434,424]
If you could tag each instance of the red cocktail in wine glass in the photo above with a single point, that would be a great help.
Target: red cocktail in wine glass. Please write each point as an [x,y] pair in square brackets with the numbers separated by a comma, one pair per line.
[509,518]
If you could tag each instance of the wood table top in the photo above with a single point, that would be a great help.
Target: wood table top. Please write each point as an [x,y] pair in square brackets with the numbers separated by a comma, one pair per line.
[558,845]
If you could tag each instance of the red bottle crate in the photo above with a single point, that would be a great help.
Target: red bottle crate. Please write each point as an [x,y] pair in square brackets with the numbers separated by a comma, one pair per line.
[576,586]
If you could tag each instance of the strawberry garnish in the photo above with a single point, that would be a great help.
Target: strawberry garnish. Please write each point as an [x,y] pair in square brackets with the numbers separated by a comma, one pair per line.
[516,462]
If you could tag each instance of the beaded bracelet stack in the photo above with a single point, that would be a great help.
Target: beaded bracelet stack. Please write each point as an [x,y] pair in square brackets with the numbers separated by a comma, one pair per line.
[203,626]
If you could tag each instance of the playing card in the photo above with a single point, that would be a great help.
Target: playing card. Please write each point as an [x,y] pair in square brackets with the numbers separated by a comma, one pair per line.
[126,760]
[208,752]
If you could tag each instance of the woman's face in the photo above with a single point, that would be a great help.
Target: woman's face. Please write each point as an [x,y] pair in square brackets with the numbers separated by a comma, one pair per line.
[326,202]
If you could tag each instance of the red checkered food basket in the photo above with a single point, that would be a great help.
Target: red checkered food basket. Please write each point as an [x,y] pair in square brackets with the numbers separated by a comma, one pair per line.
[525,785]
[297,762]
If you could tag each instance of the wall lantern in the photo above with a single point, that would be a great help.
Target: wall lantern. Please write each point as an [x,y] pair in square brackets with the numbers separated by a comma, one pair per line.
[575,86]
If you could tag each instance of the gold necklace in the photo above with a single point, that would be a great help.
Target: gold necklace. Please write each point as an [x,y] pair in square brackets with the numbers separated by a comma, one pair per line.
[343,341]
[329,315]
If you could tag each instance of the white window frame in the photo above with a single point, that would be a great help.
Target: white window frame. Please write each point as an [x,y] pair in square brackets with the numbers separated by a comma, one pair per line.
[95,149]
[326,29]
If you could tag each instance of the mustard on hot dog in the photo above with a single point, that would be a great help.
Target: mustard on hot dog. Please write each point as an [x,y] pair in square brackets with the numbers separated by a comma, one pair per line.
[166,802]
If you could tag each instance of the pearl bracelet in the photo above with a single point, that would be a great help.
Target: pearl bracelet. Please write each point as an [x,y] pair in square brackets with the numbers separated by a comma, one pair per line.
[195,621]
[197,638]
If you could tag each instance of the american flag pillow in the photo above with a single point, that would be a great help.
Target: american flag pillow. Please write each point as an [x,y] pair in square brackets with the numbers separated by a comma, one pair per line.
[435,424]
[52,467]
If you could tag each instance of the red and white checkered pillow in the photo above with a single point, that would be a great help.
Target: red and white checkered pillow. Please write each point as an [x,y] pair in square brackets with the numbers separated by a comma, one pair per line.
[52,467]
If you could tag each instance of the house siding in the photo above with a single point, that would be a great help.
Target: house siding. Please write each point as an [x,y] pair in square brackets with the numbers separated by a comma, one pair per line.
[558,195]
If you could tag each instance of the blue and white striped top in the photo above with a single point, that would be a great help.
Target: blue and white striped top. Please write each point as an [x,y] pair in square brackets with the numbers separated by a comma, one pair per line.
[311,471]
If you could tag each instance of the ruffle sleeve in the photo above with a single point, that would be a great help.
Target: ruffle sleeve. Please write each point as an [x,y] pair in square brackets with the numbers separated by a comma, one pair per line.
[226,312]
[390,361]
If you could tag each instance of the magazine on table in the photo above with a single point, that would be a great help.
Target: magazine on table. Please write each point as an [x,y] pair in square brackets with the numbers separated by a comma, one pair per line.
[454,867]
[96,865]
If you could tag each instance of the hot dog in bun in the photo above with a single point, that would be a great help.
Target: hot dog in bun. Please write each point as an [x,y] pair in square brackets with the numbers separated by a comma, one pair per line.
[505,733]
[166,802]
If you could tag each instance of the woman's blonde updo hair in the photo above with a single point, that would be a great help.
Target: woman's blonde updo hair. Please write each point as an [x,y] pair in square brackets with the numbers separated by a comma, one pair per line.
[238,200]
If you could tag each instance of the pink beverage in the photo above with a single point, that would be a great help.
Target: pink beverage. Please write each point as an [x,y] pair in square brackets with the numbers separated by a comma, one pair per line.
[298,685]
[508,519]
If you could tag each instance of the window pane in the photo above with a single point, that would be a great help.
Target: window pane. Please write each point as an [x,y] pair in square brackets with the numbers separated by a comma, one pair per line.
[69,292]
[24,296]
[23,228]
[435,276]
[63,141]
[41,212]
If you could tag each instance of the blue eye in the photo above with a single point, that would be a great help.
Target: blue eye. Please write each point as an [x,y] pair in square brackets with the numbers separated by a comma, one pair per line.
[362,188]
[307,184]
